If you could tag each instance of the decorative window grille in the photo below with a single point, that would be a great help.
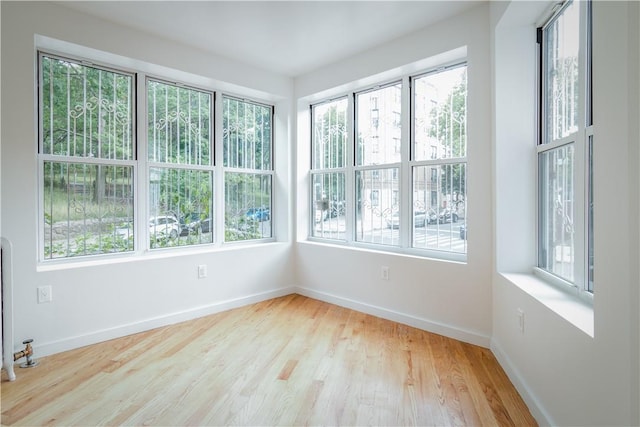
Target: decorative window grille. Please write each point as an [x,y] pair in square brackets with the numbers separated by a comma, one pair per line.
[362,164]
[328,169]
[439,165]
[565,207]
[180,160]
[248,169]
[87,158]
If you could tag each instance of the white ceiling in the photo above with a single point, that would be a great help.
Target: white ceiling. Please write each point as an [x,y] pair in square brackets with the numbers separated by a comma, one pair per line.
[286,37]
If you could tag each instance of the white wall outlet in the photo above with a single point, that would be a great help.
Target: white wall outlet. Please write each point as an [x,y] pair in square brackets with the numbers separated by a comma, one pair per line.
[521,320]
[44,294]
[384,272]
[202,271]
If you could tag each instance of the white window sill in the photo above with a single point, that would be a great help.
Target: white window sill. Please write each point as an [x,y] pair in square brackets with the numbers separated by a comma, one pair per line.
[173,252]
[565,305]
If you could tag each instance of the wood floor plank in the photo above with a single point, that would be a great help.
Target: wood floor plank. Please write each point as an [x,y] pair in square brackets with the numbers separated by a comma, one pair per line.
[287,361]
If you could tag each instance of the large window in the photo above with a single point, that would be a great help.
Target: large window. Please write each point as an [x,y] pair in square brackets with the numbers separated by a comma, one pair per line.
[248,171]
[328,164]
[439,165]
[388,165]
[180,160]
[565,238]
[103,193]
[87,158]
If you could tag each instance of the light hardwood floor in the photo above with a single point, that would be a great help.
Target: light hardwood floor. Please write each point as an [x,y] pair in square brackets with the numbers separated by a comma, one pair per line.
[287,361]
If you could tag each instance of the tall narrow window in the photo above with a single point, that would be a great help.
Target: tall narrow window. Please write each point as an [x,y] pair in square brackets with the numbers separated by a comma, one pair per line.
[377,164]
[565,241]
[180,147]
[438,164]
[87,158]
[248,169]
[328,175]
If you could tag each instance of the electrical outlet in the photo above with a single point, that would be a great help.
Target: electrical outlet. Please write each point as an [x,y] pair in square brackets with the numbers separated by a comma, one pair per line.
[202,271]
[521,320]
[384,272]
[44,294]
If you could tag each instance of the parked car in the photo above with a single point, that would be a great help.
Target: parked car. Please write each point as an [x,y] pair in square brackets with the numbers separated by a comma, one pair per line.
[446,215]
[160,227]
[164,226]
[259,214]
[419,219]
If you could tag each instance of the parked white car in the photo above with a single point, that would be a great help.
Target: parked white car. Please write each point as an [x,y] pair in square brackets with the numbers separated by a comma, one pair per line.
[164,226]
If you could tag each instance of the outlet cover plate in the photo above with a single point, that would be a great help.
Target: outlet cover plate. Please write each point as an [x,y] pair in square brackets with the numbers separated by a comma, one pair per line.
[44,294]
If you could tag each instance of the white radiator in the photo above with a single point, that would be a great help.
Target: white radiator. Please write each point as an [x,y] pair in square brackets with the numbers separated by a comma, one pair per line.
[6,322]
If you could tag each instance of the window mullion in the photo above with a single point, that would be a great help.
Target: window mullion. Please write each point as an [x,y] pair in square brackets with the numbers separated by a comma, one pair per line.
[406,197]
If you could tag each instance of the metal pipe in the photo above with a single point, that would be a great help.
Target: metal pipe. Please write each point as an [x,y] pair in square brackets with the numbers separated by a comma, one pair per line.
[28,353]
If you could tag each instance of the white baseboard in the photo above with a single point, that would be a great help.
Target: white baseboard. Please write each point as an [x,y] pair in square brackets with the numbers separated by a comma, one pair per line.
[460,334]
[66,344]
[537,410]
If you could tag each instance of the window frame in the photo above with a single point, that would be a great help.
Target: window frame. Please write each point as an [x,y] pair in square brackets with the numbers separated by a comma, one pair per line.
[140,73]
[582,140]
[43,158]
[270,171]
[403,166]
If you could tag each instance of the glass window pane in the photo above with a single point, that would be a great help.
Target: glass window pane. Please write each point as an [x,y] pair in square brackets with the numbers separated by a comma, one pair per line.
[440,115]
[86,111]
[556,232]
[561,73]
[247,206]
[179,124]
[330,134]
[87,209]
[377,211]
[439,207]
[329,201]
[180,207]
[378,126]
[246,134]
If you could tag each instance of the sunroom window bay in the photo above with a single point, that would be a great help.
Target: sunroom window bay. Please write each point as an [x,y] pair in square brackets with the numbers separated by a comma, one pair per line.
[92,198]
[359,187]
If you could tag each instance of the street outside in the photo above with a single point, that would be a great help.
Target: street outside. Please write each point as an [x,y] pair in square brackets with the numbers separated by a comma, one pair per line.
[433,236]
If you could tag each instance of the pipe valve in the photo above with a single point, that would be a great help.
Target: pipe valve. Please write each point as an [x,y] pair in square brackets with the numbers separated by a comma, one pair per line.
[28,353]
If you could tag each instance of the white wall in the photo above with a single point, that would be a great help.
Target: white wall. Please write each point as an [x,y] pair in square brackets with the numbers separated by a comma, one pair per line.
[95,301]
[567,376]
[445,297]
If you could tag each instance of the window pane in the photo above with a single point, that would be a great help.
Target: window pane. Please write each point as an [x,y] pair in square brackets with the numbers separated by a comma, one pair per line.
[180,207]
[440,119]
[556,232]
[377,217]
[86,208]
[330,134]
[560,73]
[246,134]
[86,111]
[179,121]
[247,206]
[329,202]
[439,207]
[378,126]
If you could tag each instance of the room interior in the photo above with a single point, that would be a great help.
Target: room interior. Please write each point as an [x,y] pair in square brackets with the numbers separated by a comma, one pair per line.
[572,363]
